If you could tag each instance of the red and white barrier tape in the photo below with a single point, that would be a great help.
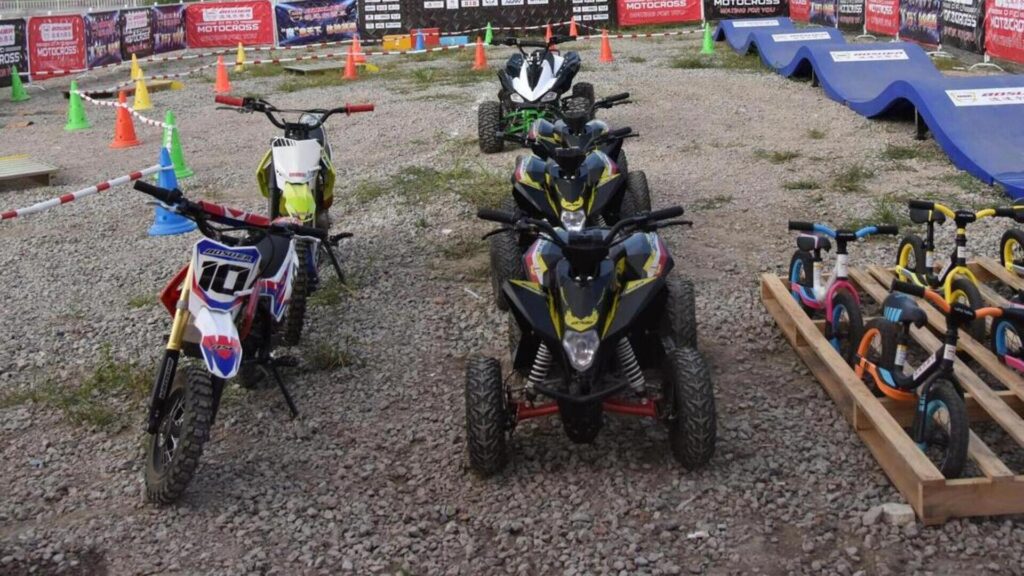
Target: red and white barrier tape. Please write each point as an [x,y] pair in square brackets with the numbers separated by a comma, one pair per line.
[47,204]
[113,104]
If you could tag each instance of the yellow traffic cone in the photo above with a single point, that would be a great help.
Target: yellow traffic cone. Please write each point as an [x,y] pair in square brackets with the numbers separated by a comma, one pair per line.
[136,70]
[141,100]
[240,59]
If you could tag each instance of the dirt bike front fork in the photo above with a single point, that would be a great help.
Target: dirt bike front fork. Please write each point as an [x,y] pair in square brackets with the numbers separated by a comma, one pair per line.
[169,364]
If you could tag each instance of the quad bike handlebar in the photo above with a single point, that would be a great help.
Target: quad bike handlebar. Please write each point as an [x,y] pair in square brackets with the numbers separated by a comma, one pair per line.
[647,221]
[248,105]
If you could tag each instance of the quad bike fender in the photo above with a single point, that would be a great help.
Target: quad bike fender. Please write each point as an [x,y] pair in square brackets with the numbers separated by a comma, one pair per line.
[531,305]
[608,182]
[218,342]
[631,303]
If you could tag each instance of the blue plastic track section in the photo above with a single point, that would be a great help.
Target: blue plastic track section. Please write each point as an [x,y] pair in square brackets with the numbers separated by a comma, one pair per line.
[779,48]
[977,120]
[738,32]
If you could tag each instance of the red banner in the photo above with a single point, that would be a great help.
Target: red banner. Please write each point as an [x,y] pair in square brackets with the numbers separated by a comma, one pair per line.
[225,24]
[800,10]
[637,12]
[1004,29]
[882,16]
[56,43]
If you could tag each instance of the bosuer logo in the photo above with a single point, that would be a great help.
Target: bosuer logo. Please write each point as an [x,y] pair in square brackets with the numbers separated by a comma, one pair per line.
[57,31]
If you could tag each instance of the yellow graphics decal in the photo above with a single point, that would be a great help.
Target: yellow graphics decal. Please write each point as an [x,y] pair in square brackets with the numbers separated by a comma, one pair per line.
[531,286]
[572,206]
[580,324]
[636,284]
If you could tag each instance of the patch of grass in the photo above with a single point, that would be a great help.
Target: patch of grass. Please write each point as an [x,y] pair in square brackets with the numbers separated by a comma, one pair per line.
[897,153]
[966,182]
[423,77]
[331,290]
[415,184]
[309,81]
[776,156]
[637,59]
[712,203]
[947,63]
[141,301]
[887,210]
[89,402]
[463,247]
[322,356]
[852,178]
[723,59]
[802,184]
[262,71]
[815,134]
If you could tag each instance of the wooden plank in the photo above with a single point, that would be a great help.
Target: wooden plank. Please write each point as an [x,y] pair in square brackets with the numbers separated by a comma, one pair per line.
[989,464]
[966,497]
[21,166]
[317,68]
[906,466]
[992,270]
[903,412]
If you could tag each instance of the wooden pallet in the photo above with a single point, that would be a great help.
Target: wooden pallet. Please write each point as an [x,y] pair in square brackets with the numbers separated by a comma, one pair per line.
[880,422]
[24,167]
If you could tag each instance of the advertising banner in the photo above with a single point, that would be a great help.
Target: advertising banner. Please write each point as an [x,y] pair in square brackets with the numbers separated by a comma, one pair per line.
[824,12]
[851,14]
[56,43]
[225,24]
[724,9]
[168,28]
[1004,29]
[13,49]
[882,17]
[387,17]
[597,12]
[136,33]
[800,10]
[637,12]
[314,21]
[102,39]
[919,21]
[380,17]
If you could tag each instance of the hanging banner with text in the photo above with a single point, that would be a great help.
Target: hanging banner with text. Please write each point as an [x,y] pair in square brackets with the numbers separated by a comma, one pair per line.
[725,9]
[102,39]
[455,15]
[882,17]
[1004,29]
[13,49]
[314,21]
[136,33]
[800,10]
[638,12]
[168,28]
[919,21]
[851,14]
[823,12]
[56,43]
[225,24]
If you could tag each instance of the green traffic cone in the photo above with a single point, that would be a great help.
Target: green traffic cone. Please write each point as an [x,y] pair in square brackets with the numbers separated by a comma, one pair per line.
[172,141]
[76,112]
[709,42]
[18,93]
[488,34]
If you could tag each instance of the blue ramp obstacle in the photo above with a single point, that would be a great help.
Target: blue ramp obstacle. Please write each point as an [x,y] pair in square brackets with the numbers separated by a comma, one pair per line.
[778,49]
[738,32]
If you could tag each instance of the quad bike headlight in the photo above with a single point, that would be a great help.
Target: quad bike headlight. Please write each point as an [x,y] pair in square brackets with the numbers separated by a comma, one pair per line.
[581,347]
[549,97]
[517,98]
[573,220]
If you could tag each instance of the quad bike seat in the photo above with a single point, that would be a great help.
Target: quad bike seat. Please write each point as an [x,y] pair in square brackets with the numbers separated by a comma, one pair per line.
[918,216]
[810,242]
[899,307]
[273,250]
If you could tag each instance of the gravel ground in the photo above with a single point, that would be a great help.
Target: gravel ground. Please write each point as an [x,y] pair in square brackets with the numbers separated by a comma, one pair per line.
[372,478]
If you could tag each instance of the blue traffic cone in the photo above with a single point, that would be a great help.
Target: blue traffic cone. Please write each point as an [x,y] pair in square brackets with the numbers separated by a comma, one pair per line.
[165,222]
[420,42]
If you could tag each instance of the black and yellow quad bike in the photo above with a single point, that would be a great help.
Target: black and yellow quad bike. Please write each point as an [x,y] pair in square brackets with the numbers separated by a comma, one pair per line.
[580,129]
[573,189]
[596,327]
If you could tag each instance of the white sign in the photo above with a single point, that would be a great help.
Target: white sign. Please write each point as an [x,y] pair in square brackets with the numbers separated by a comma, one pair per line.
[987,96]
[798,36]
[754,23]
[57,31]
[7,35]
[227,14]
[868,55]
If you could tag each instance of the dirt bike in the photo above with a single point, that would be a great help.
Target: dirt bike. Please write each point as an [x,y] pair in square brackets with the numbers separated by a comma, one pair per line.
[844,321]
[532,87]
[296,176]
[595,319]
[940,426]
[227,304]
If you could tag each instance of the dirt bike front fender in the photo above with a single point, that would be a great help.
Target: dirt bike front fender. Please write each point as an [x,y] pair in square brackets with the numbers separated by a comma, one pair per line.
[218,342]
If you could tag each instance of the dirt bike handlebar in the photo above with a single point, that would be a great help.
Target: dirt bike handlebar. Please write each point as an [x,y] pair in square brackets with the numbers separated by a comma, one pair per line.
[258,105]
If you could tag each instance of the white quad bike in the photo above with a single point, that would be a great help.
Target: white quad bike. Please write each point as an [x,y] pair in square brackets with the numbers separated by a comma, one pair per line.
[532,87]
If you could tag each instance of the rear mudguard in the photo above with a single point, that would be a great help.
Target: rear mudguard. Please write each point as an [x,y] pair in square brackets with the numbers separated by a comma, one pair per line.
[218,341]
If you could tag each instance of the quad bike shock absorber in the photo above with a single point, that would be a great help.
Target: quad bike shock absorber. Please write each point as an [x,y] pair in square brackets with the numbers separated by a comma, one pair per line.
[630,367]
[539,371]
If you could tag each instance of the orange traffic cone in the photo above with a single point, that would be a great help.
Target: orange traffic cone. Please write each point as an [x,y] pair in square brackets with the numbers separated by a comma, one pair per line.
[350,63]
[547,33]
[124,129]
[223,85]
[357,47]
[606,48]
[572,28]
[480,62]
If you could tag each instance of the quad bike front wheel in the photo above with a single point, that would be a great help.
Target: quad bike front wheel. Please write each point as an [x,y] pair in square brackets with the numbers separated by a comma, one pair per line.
[487,416]
[506,259]
[172,454]
[636,198]
[690,403]
[488,127]
[679,321]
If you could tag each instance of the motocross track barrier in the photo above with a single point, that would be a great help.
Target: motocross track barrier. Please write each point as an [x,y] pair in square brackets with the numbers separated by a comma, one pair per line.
[989,487]
[978,121]
[738,32]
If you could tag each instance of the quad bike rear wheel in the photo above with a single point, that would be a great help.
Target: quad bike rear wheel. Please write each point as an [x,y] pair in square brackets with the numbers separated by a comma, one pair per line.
[690,401]
[506,258]
[636,198]
[679,321]
[172,454]
[487,416]
[488,127]
[622,162]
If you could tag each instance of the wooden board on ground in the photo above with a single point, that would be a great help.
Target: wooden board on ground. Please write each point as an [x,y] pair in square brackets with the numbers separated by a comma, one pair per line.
[316,67]
[151,86]
[24,167]
[880,422]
